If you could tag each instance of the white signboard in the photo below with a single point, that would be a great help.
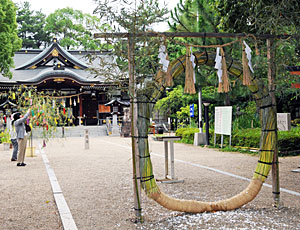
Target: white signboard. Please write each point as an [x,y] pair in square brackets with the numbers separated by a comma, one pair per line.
[284,121]
[223,120]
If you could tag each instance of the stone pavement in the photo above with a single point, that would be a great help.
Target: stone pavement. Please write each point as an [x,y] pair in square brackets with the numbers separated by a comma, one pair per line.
[96,184]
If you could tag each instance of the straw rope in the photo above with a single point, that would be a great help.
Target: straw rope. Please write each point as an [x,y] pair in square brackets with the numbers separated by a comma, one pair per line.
[267,145]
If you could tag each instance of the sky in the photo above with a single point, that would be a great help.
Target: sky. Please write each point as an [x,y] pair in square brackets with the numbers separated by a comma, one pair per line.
[86,6]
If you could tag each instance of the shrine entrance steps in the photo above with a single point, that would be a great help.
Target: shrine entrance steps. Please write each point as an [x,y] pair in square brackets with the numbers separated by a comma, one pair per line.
[73,131]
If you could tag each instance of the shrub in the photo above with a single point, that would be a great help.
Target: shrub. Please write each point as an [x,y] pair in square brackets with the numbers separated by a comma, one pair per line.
[187,134]
[288,141]
[296,122]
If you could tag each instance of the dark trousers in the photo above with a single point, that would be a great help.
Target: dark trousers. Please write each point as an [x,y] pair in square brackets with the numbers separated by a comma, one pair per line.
[15,149]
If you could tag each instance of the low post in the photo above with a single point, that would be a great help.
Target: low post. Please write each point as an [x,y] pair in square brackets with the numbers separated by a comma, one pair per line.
[170,178]
[166,159]
[172,160]
[86,139]
[206,119]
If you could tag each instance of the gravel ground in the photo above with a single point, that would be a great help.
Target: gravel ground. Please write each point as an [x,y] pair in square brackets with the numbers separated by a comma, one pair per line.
[97,185]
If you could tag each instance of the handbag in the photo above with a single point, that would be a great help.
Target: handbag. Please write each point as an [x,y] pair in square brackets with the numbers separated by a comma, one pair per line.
[27,128]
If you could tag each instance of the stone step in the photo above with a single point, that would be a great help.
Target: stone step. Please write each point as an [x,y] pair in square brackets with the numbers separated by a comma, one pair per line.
[76,131]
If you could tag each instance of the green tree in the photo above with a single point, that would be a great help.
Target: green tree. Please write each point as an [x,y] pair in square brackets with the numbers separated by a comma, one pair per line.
[267,17]
[74,28]
[260,16]
[173,101]
[31,27]
[199,16]
[9,41]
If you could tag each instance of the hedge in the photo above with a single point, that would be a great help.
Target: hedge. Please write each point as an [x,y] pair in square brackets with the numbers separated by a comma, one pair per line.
[187,134]
[288,141]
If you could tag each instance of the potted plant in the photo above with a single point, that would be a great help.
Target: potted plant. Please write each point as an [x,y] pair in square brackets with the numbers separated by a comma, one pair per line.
[5,139]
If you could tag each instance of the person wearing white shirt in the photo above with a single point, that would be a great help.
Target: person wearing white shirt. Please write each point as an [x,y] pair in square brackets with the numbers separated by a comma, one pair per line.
[13,139]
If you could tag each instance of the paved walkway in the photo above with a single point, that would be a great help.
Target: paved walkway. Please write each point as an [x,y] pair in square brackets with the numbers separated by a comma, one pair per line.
[95,188]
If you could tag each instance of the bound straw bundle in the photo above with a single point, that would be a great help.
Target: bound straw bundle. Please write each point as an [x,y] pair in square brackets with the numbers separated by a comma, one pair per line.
[168,75]
[159,76]
[225,80]
[189,74]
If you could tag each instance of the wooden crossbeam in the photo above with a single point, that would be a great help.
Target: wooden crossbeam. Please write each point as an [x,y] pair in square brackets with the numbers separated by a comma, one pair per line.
[194,34]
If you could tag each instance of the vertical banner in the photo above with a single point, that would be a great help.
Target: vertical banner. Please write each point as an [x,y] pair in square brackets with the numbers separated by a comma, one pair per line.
[192,111]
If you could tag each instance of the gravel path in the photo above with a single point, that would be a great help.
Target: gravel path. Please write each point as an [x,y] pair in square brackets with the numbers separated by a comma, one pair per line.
[97,185]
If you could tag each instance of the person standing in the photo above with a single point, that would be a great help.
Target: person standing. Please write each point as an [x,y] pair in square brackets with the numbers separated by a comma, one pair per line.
[13,139]
[19,123]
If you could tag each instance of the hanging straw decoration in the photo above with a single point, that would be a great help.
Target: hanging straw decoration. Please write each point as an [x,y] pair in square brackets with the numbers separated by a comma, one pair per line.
[225,79]
[159,76]
[70,101]
[246,59]
[189,74]
[169,78]
[78,100]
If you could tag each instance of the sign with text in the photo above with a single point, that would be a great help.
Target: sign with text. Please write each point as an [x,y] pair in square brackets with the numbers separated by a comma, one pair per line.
[223,120]
[104,109]
[283,121]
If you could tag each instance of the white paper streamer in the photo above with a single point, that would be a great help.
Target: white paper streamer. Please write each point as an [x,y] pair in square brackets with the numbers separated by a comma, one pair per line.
[248,54]
[218,64]
[162,55]
[192,58]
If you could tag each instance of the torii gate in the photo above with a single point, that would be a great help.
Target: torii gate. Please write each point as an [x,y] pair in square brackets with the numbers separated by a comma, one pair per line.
[265,100]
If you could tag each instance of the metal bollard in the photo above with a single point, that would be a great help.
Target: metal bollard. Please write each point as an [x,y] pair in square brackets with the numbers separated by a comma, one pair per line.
[86,139]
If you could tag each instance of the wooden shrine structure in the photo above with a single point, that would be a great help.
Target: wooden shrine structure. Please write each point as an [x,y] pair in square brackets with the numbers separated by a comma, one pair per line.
[56,69]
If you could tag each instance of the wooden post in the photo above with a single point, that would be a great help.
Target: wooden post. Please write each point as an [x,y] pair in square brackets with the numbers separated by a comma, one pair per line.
[271,81]
[134,133]
[86,139]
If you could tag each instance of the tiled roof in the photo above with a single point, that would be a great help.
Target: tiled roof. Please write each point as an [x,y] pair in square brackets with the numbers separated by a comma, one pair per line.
[36,65]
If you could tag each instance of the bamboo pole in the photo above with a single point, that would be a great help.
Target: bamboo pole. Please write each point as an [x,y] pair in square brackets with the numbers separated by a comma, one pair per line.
[271,81]
[134,134]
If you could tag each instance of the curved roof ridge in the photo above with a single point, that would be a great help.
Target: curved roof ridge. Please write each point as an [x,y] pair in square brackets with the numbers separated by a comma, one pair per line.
[47,51]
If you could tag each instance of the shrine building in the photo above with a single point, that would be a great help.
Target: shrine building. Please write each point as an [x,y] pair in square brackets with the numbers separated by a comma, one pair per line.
[56,69]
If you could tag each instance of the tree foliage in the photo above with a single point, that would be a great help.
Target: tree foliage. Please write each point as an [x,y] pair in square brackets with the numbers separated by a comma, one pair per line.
[73,28]
[9,41]
[267,17]
[132,17]
[260,16]
[31,27]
